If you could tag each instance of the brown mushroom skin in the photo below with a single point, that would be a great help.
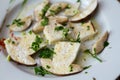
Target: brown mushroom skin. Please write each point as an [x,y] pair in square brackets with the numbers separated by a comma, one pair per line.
[99,45]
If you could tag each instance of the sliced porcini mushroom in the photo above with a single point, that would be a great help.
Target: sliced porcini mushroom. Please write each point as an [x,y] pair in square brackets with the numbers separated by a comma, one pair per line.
[56,8]
[86,8]
[85,30]
[62,62]
[99,45]
[72,9]
[37,27]
[21,51]
[41,9]
[21,24]
[61,19]
[53,35]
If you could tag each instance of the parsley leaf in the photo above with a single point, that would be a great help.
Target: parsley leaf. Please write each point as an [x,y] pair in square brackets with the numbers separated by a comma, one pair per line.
[36,45]
[93,54]
[46,53]
[18,22]
[40,71]
[65,32]
[106,44]
[44,10]
[78,0]
[78,38]
[71,68]
[45,21]
[24,2]
[86,67]
[59,28]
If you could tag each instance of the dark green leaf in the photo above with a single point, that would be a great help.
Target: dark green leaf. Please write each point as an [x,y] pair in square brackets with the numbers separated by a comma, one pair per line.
[78,0]
[18,22]
[24,3]
[47,66]
[86,67]
[38,39]
[71,68]
[44,10]
[106,44]
[46,53]
[45,21]
[35,46]
[59,28]
[40,71]
[65,32]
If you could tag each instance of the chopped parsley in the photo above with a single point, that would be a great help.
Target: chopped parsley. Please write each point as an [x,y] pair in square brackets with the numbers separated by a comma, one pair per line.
[44,10]
[78,0]
[93,54]
[58,9]
[38,39]
[65,32]
[24,2]
[86,67]
[18,22]
[88,27]
[36,45]
[46,53]
[106,44]
[71,68]
[47,66]
[30,32]
[68,6]
[59,28]
[45,21]
[41,71]
[78,38]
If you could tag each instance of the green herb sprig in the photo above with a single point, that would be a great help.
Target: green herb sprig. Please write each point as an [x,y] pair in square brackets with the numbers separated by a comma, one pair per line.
[41,71]
[93,54]
[18,22]
[46,53]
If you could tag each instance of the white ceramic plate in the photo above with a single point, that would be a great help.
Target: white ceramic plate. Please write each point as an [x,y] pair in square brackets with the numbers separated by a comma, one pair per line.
[108,17]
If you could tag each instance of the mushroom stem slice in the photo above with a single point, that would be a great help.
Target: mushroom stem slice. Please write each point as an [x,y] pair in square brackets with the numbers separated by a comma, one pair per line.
[21,24]
[99,45]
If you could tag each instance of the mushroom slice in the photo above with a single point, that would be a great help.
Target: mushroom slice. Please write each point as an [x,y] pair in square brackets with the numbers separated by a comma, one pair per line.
[72,10]
[53,35]
[99,45]
[62,62]
[85,30]
[56,8]
[61,19]
[86,8]
[38,27]
[21,24]
[41,9]
[21,51]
